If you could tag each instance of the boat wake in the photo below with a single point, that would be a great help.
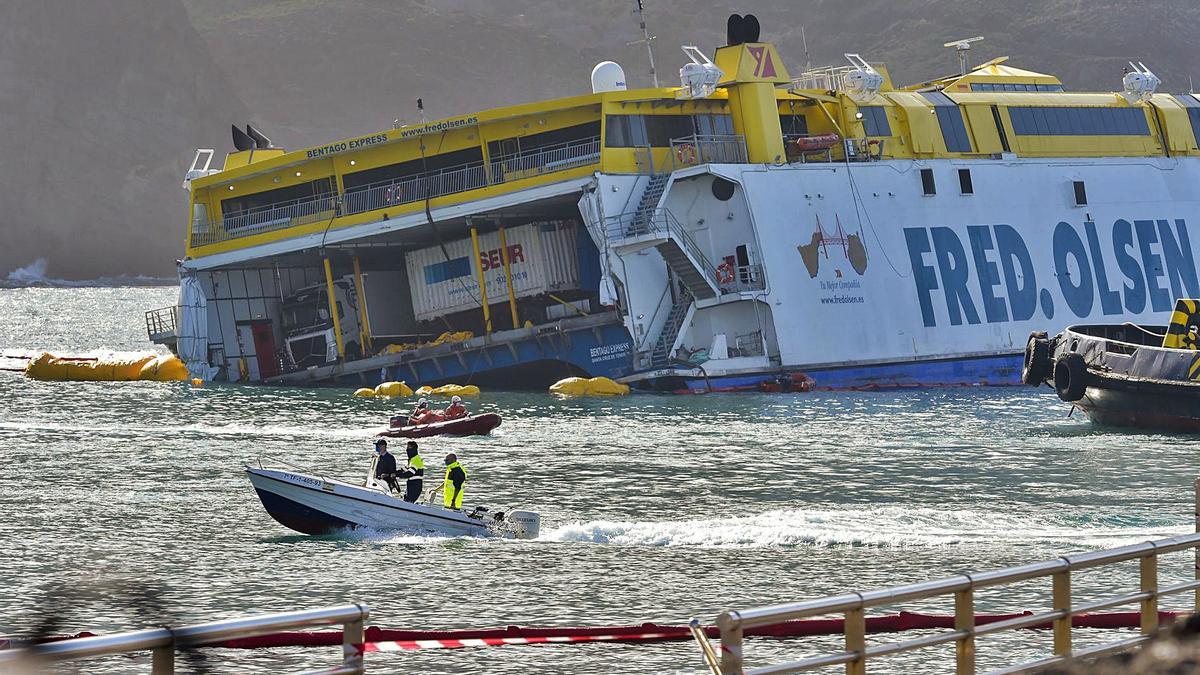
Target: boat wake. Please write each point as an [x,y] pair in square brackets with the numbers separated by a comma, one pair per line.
[886,526]
[34,274]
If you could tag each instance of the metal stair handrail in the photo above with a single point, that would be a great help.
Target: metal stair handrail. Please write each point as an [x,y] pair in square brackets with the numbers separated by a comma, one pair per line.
[626,226]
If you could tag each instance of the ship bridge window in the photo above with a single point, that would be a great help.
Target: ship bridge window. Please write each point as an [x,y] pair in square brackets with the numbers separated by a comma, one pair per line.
[261,202]
[1193,109]
[716,125]
[522,145]
[793,125]
[1076,121]
[630,131]
[431,164]
[1015,86]
[950,119]
[875,121]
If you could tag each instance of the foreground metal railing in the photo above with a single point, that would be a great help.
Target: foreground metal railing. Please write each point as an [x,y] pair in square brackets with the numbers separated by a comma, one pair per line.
[853,606]
[163,642]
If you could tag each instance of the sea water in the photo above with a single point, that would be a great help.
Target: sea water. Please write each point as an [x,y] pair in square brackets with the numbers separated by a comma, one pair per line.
[125,505]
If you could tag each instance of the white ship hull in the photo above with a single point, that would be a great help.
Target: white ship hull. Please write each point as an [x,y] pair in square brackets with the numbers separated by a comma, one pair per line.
[897,287]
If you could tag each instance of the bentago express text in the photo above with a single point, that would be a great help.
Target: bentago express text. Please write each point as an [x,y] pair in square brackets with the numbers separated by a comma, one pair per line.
[1154,265]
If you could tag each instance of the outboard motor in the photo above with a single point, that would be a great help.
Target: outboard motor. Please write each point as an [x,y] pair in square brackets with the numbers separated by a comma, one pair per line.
[525,523]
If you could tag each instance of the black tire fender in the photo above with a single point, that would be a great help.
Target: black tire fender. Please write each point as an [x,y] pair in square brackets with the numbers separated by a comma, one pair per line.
[1070,377]
[1037,360]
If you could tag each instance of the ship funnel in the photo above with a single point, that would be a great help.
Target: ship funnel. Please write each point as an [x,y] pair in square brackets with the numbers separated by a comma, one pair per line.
[260,141]
[739,29]
[240,140]
[607,76]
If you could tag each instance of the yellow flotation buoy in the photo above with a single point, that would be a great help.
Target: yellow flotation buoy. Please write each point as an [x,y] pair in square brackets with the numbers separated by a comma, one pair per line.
[456,390]
[197,382]
[596,386]
[158,368]
[393,389]
[164,368]
[364,392]
[424,391]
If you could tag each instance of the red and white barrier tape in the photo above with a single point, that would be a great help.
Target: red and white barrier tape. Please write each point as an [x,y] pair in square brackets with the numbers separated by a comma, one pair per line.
[408,645]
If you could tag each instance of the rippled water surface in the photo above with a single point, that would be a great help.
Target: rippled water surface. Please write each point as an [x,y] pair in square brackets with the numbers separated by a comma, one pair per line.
[125,505]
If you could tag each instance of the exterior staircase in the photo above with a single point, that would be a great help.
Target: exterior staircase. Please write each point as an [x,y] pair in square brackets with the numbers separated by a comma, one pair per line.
[660,355]
[649,201]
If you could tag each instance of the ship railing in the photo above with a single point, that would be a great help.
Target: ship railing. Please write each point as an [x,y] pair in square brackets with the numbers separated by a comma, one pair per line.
[162,323]
[162,643]
[746,278]
[266,219]
[700,149]
[749,344]
[398,191]
[658,223]
[406,190]
[548,159]
[832,78]
[961,589]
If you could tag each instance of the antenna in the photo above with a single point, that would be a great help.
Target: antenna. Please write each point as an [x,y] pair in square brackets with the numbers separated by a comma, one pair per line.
[646,38]
[804,39]
[962,47]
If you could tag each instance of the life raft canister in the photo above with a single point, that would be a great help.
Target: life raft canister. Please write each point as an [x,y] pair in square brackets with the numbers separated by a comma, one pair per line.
[724,273]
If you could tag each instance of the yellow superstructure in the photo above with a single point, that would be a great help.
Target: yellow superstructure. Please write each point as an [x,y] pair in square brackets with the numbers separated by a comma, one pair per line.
[996,110]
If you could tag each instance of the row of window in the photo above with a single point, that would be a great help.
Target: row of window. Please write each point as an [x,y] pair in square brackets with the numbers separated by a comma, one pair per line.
[1065,121]
[950,119]
[631,131]
[1011,86]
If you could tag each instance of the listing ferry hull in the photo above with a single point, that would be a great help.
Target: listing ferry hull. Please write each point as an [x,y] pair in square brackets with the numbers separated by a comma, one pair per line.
[743,230]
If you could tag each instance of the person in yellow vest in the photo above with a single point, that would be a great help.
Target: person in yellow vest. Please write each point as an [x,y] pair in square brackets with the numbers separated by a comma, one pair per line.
[456,480]
[413,473]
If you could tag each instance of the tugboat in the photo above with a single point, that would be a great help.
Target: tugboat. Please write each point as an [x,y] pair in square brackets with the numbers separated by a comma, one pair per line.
[1126,374]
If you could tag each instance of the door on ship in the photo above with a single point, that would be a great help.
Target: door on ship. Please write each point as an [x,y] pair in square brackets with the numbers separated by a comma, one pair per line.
[264,348]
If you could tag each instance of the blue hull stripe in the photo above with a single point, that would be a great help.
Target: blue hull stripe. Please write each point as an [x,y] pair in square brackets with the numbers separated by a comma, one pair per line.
[1001,370]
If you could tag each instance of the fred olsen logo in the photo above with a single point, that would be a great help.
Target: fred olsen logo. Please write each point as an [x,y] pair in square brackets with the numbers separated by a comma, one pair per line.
[763,65]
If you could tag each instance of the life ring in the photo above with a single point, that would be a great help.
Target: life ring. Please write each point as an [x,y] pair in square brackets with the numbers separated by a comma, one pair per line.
[724,273]
[686,153]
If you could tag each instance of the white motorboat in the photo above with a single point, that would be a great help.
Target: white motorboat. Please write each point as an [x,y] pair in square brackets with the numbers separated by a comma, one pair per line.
[315,504]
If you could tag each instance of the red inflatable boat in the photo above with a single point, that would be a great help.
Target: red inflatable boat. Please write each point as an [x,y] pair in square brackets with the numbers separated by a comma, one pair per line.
[472,425]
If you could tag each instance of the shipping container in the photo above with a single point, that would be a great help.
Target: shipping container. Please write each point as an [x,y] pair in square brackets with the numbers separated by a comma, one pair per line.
[544,259]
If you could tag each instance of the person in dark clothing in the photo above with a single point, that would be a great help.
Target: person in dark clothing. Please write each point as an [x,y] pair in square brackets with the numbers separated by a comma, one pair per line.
[413,473]
[385,466]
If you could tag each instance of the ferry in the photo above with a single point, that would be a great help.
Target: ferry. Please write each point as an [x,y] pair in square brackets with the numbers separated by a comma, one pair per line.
[742,229]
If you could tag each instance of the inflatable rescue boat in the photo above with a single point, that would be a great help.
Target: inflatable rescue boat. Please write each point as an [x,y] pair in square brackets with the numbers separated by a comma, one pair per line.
[472,425]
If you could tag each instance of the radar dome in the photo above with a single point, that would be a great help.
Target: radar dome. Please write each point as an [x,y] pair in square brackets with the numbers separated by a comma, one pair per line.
[607,76]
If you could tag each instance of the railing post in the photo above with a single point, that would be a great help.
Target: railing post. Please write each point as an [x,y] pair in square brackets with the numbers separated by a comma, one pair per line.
[1061,600]
[855,630]
[162,660]
[352,640]
[1149,583]
[964,620]
[731,643]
